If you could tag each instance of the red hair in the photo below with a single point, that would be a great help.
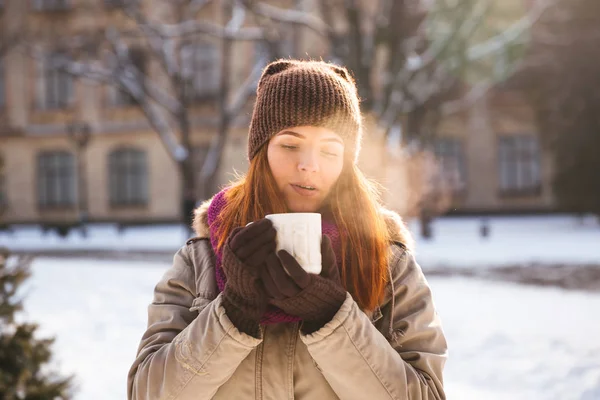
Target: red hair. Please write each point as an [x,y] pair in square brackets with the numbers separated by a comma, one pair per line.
[363,235]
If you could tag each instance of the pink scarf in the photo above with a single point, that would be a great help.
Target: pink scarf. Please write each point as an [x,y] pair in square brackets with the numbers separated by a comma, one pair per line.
[273,314]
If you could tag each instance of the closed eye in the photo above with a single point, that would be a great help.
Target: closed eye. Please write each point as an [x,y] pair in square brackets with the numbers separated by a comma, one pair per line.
[289,147]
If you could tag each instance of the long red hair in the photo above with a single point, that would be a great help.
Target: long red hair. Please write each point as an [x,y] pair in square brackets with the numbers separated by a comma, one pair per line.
[364,236]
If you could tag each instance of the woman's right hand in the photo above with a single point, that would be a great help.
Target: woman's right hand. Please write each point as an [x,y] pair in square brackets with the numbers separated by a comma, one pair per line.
[244,255]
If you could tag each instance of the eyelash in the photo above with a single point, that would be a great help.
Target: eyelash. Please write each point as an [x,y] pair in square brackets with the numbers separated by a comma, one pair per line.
[288,147]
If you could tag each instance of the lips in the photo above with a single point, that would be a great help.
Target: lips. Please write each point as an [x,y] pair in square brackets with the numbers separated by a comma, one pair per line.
[306,190]
[305,186]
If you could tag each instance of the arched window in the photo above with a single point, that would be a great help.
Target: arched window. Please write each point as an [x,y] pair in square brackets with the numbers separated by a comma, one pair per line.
[128,182]
[56,179]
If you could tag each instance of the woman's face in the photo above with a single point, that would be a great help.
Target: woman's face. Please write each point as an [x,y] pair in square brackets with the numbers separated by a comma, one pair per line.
[306,162]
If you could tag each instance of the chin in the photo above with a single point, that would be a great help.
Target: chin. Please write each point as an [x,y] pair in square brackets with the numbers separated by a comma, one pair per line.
[302,207]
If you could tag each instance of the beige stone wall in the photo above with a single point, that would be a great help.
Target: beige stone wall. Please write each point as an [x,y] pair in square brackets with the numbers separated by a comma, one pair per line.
[21,163]
[164,186]
[488,120]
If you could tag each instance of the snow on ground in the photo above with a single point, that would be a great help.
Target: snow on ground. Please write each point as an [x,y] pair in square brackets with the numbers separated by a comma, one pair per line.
[506,341]
[555,239]
[97,311]
[519,342]
[512,240]
[99,237]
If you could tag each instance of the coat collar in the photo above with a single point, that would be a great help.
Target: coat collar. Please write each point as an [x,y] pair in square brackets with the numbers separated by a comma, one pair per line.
[397,229]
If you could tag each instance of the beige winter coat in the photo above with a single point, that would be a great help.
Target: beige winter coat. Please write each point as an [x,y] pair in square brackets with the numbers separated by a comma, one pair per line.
[191,350]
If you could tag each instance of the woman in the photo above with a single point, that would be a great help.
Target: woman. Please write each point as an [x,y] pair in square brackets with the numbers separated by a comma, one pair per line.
[232,319]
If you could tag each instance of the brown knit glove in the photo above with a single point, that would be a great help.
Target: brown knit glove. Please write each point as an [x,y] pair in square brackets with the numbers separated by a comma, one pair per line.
[244,255]
[314,298]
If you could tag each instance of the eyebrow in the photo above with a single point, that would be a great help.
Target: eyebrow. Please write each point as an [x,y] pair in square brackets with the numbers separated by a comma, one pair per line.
[301,136]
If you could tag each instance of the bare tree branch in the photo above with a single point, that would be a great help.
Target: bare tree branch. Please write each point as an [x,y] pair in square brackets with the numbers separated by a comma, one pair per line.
[290,16]
[191,27]
[195,6]
[510,35]
[165,132]
[475,94]
[246,90]
[92,71]
[459,32]
[134,80]
[161,47]
[413,85]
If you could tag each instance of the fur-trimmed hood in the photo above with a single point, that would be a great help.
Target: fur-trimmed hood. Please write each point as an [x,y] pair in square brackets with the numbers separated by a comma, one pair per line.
[396,228]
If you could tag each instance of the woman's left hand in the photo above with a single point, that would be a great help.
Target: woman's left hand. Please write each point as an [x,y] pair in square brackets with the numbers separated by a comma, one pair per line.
[314,298]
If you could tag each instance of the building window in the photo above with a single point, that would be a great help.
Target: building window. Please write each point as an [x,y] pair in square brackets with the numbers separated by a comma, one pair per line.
[121,98]
[128,177]
[449,152]
[2,84]
[200,69]
[519,169]
[51,5]
[55,87]
[56,179]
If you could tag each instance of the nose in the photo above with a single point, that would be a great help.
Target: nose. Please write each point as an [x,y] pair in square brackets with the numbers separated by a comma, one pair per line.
[308,162]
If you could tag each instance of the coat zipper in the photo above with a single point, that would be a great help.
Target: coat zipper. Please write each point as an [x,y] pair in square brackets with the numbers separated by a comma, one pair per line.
[258,367]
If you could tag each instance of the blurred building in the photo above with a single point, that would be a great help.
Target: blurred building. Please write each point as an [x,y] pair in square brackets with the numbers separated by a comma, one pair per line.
[493,158]
[490,153]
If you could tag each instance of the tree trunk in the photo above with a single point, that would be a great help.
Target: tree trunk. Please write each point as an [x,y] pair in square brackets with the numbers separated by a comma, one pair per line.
[425,219]
[187,172]
[188,198]
[210,168]
[415,124]
[356,57]
[392,36]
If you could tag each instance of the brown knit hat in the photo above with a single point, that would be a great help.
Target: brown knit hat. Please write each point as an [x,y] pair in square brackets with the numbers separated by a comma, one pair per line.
[298,93]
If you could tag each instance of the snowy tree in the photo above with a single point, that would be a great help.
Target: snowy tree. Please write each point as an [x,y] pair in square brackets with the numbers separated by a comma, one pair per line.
[23,356]
[417,61]
[414,58]
[176,42]
[410,58]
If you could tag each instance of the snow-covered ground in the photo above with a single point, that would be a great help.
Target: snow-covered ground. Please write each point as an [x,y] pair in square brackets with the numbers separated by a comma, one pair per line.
[99,237]
[506,341]
[513,240]
[557,239]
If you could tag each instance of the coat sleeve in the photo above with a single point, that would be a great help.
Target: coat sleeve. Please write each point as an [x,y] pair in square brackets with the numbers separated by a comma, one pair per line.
[180,347]
[405,362]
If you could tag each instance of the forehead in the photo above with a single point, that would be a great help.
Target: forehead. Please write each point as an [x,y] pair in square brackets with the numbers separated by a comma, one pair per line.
[312,133]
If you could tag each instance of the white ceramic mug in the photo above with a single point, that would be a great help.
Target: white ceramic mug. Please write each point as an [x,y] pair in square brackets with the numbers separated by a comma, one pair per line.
[300,235]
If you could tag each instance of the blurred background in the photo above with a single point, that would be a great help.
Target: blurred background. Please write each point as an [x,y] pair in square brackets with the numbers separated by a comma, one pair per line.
[482,125]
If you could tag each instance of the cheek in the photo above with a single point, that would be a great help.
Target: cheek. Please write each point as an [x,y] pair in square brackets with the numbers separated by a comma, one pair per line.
[279,165]
[331,173]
